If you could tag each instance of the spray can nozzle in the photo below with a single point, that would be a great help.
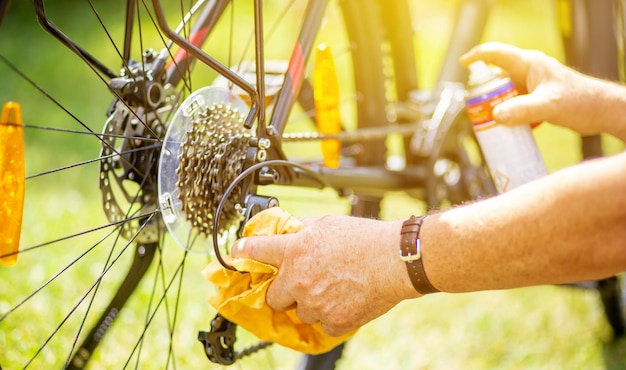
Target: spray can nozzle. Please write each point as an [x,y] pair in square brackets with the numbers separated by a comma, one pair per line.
[481,73]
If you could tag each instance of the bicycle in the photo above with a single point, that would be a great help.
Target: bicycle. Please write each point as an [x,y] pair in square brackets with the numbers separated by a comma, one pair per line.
[268,97]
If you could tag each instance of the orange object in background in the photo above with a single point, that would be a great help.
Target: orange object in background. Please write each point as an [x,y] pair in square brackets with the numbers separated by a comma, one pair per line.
[11,182]
[326,100]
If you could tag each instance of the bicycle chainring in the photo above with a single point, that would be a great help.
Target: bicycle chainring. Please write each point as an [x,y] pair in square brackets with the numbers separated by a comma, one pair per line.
[203,152]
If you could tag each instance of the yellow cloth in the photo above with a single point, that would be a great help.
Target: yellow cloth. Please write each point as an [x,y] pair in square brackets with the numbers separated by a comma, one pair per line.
[241,296]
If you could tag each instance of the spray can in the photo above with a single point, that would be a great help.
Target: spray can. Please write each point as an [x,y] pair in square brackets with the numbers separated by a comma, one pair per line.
[511,153]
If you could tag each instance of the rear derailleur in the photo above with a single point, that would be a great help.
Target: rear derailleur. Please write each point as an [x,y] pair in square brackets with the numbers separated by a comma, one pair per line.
[219,342]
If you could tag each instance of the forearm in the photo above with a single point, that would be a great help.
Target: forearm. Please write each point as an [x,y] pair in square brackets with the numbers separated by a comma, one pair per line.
[566,227]
[610,100]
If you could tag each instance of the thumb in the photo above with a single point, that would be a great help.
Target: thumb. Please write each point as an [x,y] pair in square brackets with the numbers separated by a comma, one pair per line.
[522,109]
[267,249]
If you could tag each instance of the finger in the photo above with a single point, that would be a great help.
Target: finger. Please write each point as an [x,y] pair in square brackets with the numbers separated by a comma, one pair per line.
[266,249]
[277,296]
[513,60]
[522,109]
[503,55]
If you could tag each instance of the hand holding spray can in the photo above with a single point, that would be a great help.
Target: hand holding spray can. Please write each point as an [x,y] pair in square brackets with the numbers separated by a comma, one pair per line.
[511,152]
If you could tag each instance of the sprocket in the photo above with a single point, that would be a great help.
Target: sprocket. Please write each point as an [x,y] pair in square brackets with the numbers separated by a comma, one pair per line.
[203,152]
[211,157]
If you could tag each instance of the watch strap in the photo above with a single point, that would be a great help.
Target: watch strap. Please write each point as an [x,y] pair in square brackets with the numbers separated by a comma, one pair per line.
[411,254]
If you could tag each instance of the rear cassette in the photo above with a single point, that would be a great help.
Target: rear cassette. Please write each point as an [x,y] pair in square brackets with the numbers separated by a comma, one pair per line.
[203,152]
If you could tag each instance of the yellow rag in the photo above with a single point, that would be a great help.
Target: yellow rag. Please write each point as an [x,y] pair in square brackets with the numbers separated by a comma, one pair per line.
[241,296]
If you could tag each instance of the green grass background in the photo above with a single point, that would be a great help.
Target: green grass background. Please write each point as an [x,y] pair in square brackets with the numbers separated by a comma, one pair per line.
[532,328]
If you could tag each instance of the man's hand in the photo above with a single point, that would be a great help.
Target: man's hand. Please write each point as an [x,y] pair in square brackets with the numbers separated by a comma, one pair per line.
[339,270]
[549,91]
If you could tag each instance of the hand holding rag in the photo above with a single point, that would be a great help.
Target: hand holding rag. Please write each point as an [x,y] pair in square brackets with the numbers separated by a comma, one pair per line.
[241,294]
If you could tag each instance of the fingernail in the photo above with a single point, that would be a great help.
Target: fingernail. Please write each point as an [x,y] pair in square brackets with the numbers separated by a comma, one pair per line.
[238,247]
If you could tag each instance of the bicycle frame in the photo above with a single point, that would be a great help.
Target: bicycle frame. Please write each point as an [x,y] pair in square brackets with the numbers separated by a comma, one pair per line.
[293,77]
[467,32]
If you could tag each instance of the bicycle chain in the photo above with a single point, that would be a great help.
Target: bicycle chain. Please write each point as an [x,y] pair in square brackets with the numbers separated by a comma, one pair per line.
[363,134]
[213,154]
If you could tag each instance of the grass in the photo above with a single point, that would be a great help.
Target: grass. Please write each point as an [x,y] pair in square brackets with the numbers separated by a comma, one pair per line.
[487,330]
[531,328]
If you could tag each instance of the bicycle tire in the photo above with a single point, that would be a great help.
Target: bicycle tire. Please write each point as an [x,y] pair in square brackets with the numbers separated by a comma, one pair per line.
[51,342]
[371,85]
[612,293]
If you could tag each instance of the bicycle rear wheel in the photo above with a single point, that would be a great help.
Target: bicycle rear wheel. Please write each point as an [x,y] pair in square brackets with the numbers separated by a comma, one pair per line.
[110,287]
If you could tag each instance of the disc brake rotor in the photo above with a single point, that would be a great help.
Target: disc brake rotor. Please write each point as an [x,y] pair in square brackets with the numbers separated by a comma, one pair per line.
[203,151]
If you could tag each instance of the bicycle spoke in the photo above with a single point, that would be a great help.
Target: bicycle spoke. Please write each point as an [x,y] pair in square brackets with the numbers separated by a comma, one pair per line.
[85,232]
[171,322]
[55,276]
[93,288]
[130,241]
[106,31]
[153,313]
[101,135]
[99,159]
[80,257]
[57,103]
[15,69]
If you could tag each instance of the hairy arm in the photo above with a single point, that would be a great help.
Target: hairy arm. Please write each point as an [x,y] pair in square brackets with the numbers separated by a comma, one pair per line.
[569,226]
[346,271]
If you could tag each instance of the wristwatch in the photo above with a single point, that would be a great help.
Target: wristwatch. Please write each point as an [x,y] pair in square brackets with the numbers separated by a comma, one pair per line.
[411,254]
